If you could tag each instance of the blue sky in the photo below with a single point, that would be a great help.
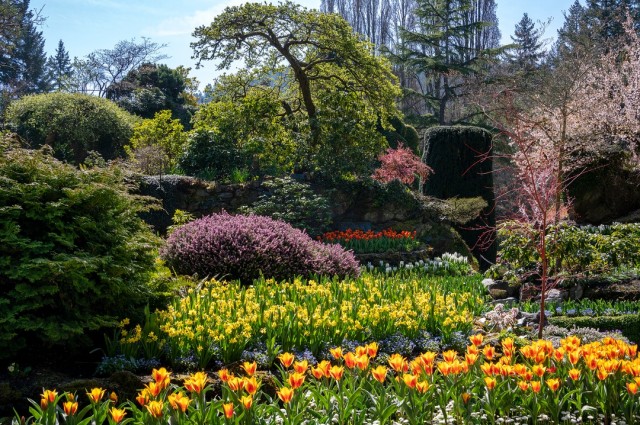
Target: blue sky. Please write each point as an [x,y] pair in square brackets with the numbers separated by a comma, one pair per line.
[88,25]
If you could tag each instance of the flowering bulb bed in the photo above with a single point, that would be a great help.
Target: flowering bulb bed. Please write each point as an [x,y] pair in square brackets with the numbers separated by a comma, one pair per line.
[518,381]
[222,319]
[364,242]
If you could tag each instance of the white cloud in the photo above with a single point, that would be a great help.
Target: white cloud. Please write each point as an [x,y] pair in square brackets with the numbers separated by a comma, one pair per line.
[184,25]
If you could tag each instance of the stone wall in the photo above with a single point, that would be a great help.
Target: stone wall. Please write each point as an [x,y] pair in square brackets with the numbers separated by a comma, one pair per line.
[354,204]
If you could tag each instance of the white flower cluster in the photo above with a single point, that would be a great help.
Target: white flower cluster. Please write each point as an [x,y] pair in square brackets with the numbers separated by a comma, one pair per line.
[446,261]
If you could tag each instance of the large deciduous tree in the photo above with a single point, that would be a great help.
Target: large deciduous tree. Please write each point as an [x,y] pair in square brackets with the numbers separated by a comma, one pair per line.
[323,68]
[106,67]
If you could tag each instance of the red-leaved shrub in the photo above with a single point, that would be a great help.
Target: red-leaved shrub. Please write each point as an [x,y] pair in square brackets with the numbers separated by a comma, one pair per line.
[242,247]
[401,164]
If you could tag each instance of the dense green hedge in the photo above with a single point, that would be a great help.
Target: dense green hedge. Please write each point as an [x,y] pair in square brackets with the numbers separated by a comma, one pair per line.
[74,254]
[72,124]
[461,158]
[629,324]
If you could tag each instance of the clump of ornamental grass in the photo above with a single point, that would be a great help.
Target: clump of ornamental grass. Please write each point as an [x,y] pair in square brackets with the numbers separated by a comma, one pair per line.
[247,247]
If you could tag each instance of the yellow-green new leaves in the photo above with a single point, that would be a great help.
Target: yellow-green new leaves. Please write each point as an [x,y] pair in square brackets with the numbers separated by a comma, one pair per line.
[319,71]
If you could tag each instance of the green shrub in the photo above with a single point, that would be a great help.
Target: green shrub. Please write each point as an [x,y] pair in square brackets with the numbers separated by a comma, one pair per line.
[574,251]
[629,324]
[74,254]
[72,124]
[161,132]
[462,168]
[400,132]
[212,157]
[294,202]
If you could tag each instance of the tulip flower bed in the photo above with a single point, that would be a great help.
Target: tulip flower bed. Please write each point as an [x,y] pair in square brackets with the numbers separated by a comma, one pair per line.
[365,242]
[511,382]
[220,320]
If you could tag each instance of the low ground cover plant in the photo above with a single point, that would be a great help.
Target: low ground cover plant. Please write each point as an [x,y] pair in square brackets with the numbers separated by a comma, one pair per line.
[585,307]
[245,247]
[220,320]
[518,381]
[574,251]
[369,241]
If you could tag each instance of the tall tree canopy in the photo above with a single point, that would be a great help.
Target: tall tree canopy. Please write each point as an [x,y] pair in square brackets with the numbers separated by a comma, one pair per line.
[441,50]
[105,67]
[325,72]
[151,88]
[22,58]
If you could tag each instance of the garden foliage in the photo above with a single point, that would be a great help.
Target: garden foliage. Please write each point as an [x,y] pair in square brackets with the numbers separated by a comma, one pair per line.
[245,247]
[161,132]
[212,156]
[72,124]
[294,202]
[574,251]
[72,249]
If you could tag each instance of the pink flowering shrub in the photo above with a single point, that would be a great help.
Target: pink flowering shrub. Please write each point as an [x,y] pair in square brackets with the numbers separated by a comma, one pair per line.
[242,247]
[401,164]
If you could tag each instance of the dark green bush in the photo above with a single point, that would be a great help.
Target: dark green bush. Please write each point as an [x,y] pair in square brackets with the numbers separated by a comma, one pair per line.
[211,157]
[74,254]
[461,158]
[401,133]
[294,202]
[72,124]
[629,324]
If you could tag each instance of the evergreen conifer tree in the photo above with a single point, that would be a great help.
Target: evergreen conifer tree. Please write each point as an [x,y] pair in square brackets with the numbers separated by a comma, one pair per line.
[29,56]
[60,69]
[527,54]
[439,48]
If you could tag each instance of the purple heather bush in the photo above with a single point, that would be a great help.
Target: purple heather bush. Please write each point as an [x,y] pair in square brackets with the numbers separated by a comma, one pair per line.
[243,247]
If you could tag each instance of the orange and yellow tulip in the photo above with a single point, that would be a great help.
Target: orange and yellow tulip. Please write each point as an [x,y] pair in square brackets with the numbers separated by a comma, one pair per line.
[227,409]
[70,407]
[196,382]
[161,376]
[379,373]
[490,382]
[336,352]
[476,339]
[117,414]
[336,372]
[179,401]
[286,359]
[155,408]
[250,367]
[553,384]
[301,367]
[251,385]
[224,375]
[296,380]
[246,401]
[285,394]
[96,394]
[410,380]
